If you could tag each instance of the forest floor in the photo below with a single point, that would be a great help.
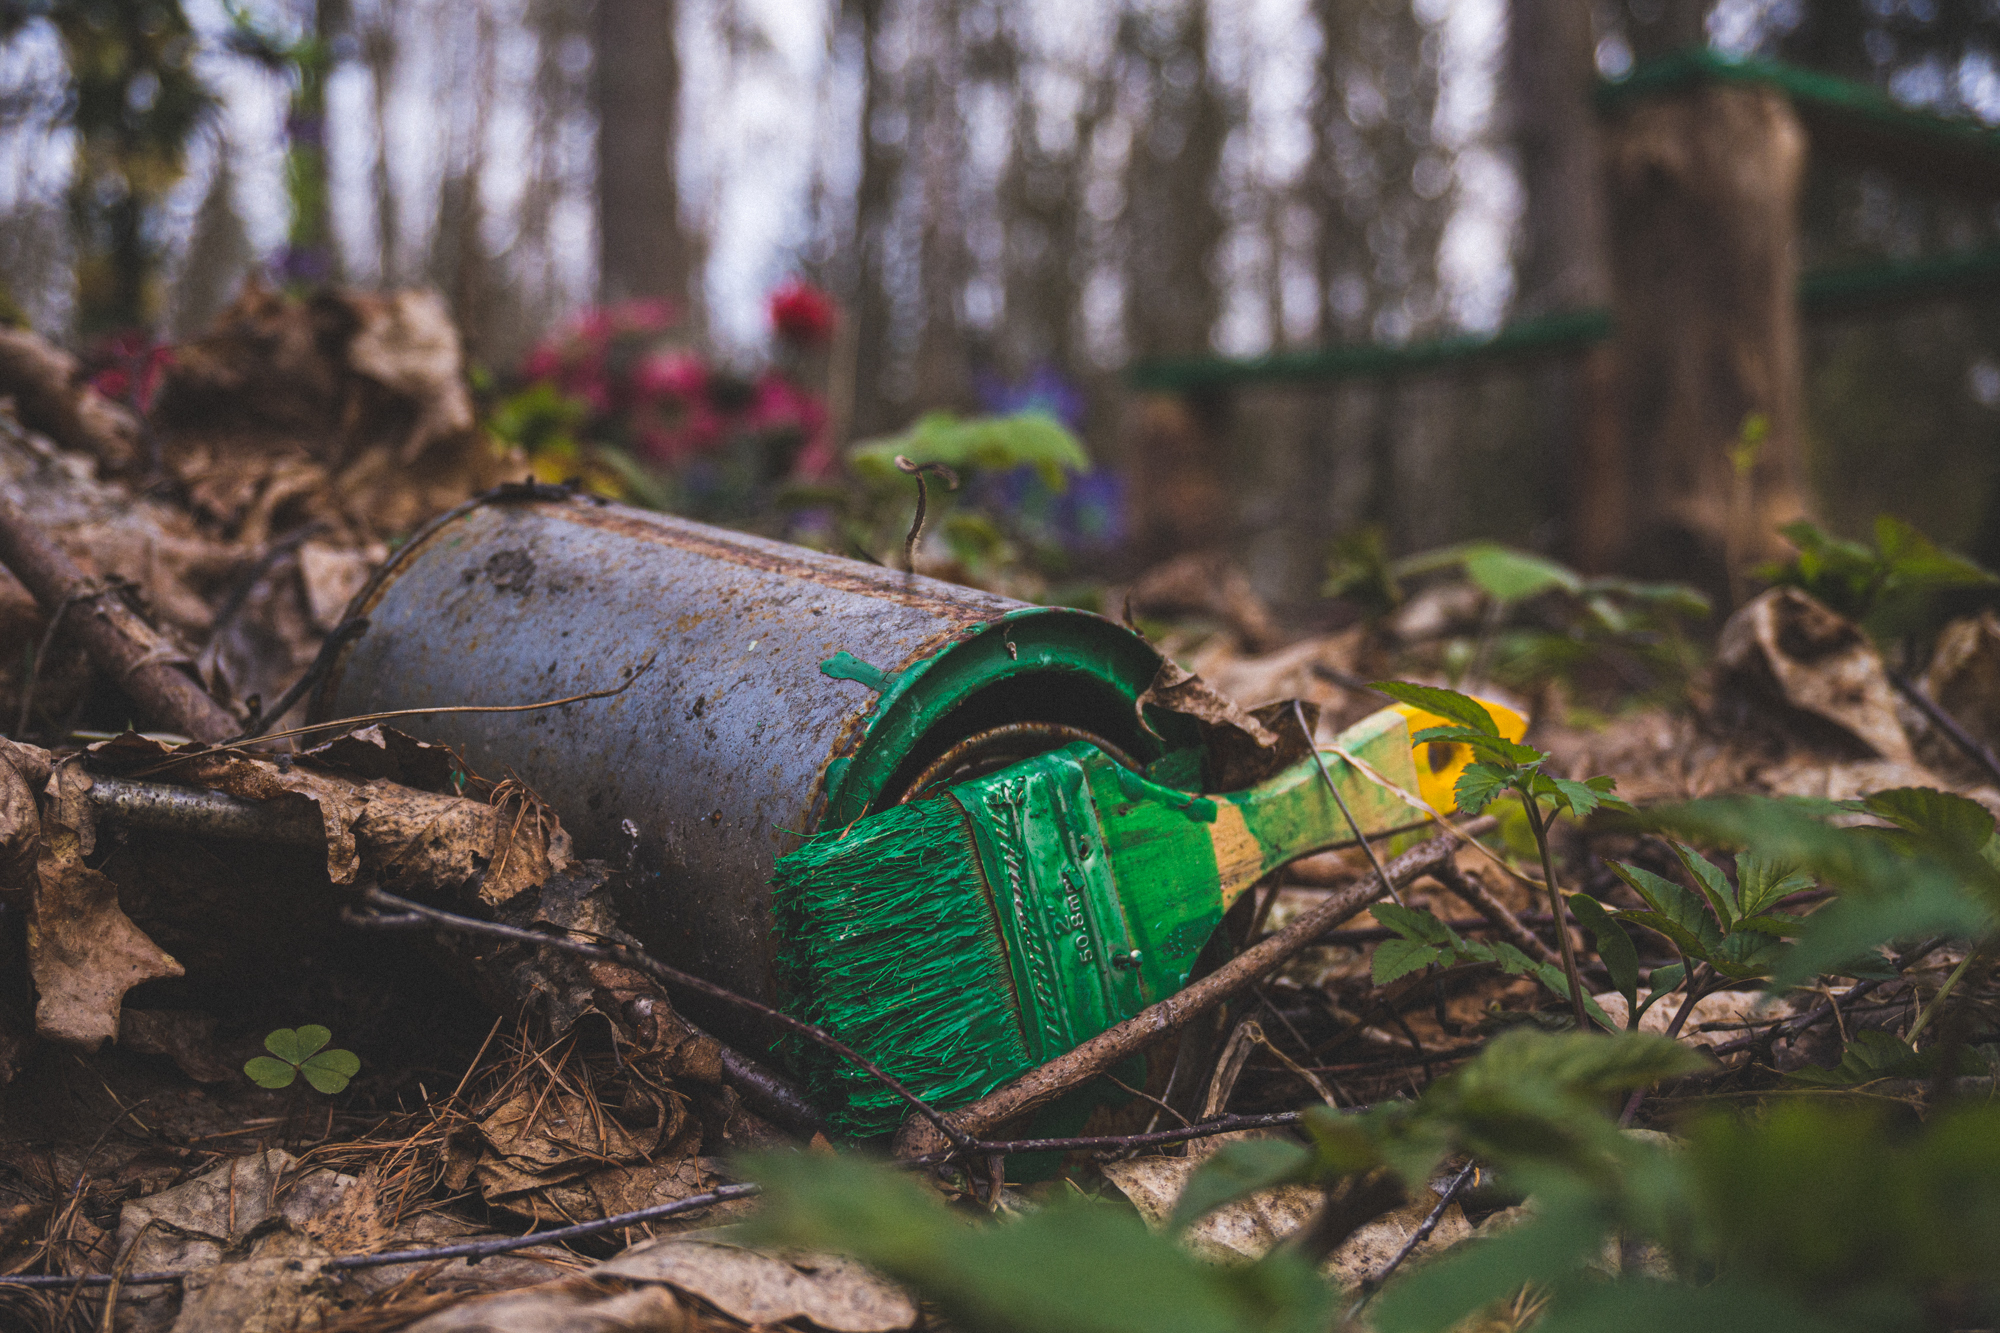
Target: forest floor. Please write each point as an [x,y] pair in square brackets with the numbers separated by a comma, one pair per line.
[503,1090]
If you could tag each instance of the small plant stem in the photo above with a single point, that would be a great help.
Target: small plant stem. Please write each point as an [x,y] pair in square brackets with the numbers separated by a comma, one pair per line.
[1333,789]
[1570,972]
[1697,981]
[1930,1010]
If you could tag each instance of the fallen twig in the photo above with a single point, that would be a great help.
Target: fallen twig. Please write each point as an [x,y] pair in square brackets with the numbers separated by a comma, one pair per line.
[135,656]
[343,634]
[1373,1283]
[1949,725]
[474,1250]
[1481,899]
[401,913]
[1044,1084]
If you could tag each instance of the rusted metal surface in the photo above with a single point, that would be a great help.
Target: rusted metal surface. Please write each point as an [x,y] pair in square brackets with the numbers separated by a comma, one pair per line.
[737,741]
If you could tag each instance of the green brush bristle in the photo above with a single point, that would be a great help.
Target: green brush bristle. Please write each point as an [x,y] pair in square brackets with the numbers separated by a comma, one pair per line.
[889,942]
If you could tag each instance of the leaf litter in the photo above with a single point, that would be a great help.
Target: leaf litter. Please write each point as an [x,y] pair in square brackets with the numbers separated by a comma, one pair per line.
[504,1089]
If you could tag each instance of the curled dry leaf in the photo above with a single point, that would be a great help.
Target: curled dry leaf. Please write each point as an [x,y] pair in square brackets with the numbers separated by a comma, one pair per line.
[1252,1226]
[762,1287]
[24,770]
[1784,648]
[84,953]
[411,840]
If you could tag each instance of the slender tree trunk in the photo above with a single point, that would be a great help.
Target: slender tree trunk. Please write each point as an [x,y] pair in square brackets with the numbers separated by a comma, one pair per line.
[1704,190]
[874,209]
[1565,264]
[943,263]
[378,49]
[642,249]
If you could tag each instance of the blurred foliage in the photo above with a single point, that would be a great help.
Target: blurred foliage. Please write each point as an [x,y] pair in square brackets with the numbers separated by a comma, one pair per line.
[1896,589]
[134,101]
[1539,619]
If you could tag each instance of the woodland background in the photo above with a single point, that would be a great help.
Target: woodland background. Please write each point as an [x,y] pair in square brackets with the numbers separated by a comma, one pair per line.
[1019,204]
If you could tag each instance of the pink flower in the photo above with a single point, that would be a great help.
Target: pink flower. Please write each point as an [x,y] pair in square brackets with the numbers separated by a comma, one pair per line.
[648,315]
[802,314]
[673,374]
[779,404]
[544,362]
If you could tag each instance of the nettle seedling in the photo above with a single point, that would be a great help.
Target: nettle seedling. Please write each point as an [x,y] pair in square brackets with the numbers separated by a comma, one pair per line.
[1504,767]
[296,1051]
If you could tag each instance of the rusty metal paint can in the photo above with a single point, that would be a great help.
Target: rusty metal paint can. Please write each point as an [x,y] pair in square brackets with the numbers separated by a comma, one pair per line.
[789,691]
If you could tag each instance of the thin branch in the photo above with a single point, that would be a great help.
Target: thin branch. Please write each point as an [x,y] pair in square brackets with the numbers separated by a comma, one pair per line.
[401,913]
[1372,1284]
[1299,712]
[343,634]
[474,1250]
[918,470]
[1949,725]
[1049,1081]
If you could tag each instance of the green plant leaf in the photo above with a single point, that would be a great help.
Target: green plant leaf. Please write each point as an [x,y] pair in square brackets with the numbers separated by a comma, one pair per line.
[1614,946]
[1237,1169]
[996,444]
[1414,923]
[1581,798]
[1647,1305]
[1948,820]
[1400,957]
[1506,751]
[1462,709]
[1478,786]
[1074,1265]
[1662,984]
[329,1071]
[1713,884]
[1762,881]
[1511,576]
[1673,911]
[295,1044]
[266,1072]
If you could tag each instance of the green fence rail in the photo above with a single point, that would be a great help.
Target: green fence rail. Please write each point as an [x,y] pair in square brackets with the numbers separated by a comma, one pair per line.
[1847,119]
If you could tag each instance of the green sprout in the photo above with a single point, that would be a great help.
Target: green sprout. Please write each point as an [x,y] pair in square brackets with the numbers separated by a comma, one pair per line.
[300,1051]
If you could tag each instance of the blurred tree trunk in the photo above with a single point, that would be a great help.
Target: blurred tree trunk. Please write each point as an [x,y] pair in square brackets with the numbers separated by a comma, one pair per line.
[378,52]
[1173,226]
[1564,263]
[642,248]
[1661,27]
[1377,183]
[137,101]
[944,264]
[1704,206]
[874,209]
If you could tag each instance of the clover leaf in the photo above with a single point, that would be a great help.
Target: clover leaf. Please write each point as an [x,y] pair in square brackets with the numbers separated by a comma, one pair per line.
[302,1051]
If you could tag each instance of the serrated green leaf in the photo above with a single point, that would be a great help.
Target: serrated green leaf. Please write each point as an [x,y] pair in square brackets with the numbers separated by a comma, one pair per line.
[1478,786]
[1614,946]
[1400,957]
[266,1072]
[1746,955]
[1578,796]
[1714,885]
[1955,822]
[1237,1169]
[1762,881]
[1459,708]
[1496,747]
[1674,912]
[1413,923]
[329,1071]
